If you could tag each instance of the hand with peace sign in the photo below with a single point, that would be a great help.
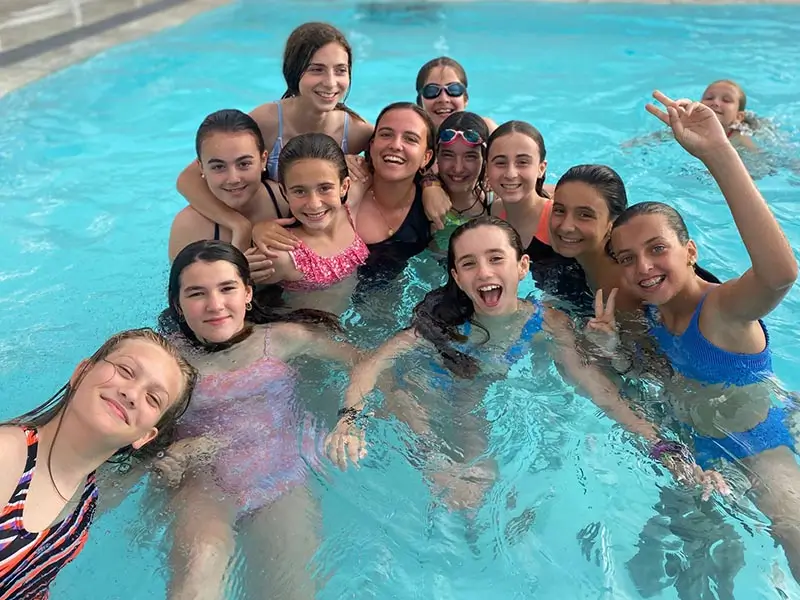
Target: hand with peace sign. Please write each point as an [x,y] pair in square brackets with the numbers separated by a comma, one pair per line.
[695,125]
[602,329]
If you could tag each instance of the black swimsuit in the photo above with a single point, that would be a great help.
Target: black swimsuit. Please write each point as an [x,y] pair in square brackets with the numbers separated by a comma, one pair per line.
[274,203]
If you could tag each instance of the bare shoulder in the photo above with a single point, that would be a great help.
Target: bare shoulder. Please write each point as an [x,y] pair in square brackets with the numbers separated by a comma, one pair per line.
[190,226]
[13,452]
[266,115]
[490,124]
[358,135]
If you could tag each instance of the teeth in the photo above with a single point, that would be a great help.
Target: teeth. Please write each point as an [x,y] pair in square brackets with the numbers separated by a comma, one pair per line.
[568,240]
[652,282]
[488,288]
[394,159]
[510,186]
[443,111]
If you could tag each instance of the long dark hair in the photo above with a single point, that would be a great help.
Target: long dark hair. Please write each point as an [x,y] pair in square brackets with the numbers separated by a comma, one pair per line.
[442,61]
[171,321]
[301,46]
[430,136]
[461,121]
[524,128]
[444,309]
[59,402]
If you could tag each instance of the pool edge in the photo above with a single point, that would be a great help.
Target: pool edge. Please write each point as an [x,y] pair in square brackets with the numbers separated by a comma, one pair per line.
[41,64]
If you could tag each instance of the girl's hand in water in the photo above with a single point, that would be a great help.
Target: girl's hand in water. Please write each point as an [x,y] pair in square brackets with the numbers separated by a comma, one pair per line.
[695,125]
[346,441]
[269,236]
[260,266]
[171,464]
[677,459]
[359,170]
[602,329]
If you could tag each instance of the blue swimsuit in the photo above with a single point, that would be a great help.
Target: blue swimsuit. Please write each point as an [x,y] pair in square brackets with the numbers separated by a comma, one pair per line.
[274,154]
[694,357]
[443,377]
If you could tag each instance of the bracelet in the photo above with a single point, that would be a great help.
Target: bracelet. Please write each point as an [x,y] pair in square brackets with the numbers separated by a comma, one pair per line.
[349,414]
[662,447]
[430,179]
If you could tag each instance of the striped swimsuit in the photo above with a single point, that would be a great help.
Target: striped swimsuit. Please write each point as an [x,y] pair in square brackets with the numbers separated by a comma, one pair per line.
[30,561]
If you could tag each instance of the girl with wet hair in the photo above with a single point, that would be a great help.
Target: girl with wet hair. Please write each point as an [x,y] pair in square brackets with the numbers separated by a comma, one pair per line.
[232,160]
[476,328]
[317,67]
[261,443]
[712,333]
[122,400]
[442,90]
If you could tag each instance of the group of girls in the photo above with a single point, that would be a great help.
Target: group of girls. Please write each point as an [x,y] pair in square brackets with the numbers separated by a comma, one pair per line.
[305,198]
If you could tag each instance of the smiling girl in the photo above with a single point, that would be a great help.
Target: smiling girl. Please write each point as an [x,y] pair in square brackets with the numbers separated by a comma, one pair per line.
[116,402]
[317,67]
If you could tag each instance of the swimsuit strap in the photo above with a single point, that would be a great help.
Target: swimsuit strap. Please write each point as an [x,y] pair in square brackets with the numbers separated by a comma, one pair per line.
[531,327]
[344,132]
[274,200]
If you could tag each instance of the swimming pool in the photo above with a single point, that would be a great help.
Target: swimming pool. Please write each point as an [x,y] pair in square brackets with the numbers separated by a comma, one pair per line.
[89,158]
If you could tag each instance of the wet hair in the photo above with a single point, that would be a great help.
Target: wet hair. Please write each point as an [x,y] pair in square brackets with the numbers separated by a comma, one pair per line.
[673,218]
[436,63]
[605,181]
[171,320]
[59,402]
[229,120]
[319,146]
[524,128]
[430,137]
[674,221]
[461,121]
[442,310]
[301,46]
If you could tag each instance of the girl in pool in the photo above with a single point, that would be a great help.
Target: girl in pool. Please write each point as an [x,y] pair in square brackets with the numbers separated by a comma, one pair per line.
[116,402]
[728,101]
[313,176]
[232,160]
[244,401]
[712,334]
[516,170]
[442,90]
[461,160]
[317,67]
[477,324]
[389,215]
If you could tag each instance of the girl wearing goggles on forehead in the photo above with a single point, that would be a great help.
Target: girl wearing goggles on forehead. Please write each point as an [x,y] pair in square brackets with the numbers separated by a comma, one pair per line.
[461,159]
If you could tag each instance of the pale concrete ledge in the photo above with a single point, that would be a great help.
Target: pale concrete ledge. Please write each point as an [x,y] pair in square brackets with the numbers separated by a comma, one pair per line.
[41,38]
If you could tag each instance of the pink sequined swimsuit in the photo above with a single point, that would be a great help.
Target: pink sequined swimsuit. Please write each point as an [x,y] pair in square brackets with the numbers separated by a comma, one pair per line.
[320,272]
[255,408]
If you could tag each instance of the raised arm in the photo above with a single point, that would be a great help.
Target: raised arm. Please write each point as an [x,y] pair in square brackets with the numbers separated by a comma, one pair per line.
[774,268]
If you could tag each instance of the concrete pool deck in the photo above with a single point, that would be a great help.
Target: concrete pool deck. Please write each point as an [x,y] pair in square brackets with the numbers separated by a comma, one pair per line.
[39,37]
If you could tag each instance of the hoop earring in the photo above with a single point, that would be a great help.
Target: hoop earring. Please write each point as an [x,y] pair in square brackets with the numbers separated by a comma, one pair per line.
[248,306]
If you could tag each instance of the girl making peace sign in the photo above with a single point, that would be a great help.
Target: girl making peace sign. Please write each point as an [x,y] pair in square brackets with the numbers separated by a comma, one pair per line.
[712,334]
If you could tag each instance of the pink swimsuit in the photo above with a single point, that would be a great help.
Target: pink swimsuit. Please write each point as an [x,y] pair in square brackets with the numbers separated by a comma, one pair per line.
[320,272]
[254,407]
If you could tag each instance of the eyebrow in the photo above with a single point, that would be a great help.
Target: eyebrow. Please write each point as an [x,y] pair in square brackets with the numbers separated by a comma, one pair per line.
[489,251]
[647,243]
[317,64]
[219,160]
[193,288]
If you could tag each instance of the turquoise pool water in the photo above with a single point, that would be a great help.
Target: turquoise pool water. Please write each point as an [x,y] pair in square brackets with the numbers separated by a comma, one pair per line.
[89,158]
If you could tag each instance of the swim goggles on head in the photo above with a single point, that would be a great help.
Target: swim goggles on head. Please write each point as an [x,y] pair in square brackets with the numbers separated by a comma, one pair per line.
[470,136]
[434,90]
